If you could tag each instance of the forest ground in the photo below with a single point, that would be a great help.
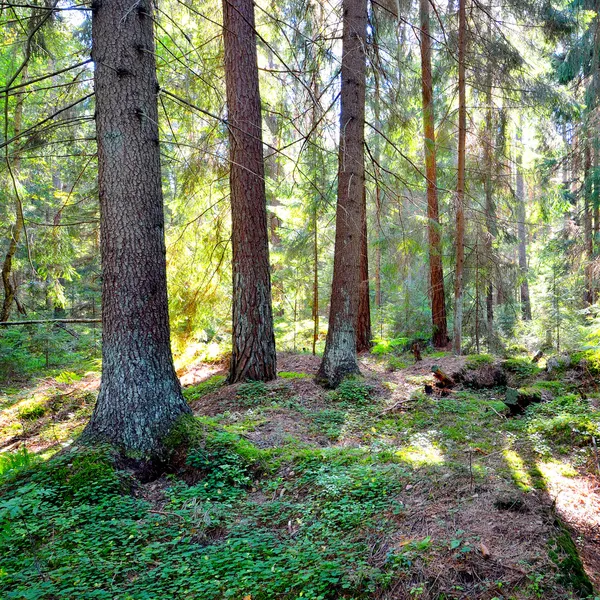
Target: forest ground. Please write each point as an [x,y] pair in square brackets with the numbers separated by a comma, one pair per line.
[287,490]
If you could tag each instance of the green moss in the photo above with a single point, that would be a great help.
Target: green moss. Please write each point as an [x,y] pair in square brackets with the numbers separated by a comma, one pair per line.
[522,367]
[194,392]
[32,410]
[474,361]
[291,375]
[556,387]
[564,555]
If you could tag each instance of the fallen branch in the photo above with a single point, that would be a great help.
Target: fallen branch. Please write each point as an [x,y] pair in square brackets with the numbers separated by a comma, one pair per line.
[42,321]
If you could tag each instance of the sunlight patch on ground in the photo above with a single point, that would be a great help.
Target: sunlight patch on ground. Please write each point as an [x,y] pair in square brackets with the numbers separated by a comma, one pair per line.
[422,450]
[518,471]
[577,498]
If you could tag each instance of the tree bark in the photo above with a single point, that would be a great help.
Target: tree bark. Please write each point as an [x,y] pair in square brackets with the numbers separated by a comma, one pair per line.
[436,270]
[10,291]
[378,202]
[253,355]
[522,233]
[140,396]
[339,359]
[588,294]
[490,208]
[363,323]
[460,186]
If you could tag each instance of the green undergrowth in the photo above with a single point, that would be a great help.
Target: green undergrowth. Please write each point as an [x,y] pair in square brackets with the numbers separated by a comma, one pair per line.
[195,392]
[328,516]
[77,527]
[475,361]
[563,423]
[521,367]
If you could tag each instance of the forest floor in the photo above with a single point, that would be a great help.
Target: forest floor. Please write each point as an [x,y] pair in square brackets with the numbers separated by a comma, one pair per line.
[287,490]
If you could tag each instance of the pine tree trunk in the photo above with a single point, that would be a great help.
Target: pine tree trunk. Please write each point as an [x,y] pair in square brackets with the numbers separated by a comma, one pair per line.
[460,186]
[10,292]
[378,203]
[490,209]
[315,299]
[588,294]
[522,234]
[595,199]
[339,359]
[363,324]
[140,396]
[436,271]
[253,355]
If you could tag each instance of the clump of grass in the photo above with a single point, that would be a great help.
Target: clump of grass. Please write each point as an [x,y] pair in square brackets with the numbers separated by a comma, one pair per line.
[391,346]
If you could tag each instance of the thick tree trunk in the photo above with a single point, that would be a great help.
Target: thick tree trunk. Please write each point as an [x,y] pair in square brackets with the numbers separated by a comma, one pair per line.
[460,186]
[140,396]
[253,354]
[522,234]
[363,323]
[339,359]
[436,271]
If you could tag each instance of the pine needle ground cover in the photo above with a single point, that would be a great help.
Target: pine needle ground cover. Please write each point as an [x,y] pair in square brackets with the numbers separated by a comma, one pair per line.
[285,490]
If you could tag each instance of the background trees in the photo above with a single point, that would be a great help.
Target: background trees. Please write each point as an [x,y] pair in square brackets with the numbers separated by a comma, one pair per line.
[253,355]
[515,56]
[339,358]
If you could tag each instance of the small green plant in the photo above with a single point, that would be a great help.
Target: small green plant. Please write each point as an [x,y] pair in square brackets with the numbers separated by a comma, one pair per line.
[566,421]
[88,475]
[396,363]
[353,391]
[252,393]
[395,345]
[12,463]
[329,422]
[67,377]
